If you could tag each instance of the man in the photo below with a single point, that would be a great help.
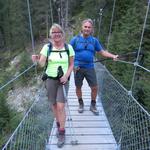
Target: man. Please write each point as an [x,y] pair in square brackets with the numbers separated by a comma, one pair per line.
[85,47]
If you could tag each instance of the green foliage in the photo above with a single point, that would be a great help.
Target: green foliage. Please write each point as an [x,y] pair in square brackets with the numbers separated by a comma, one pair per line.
[13,26]
[126,33]
[40,9]
[14,22]
[9,119]
[25,63]
[4,111]
[125,37]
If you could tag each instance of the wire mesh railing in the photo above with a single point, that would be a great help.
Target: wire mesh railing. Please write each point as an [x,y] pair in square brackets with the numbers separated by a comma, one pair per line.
[29,102]
[34,129]
[129,121]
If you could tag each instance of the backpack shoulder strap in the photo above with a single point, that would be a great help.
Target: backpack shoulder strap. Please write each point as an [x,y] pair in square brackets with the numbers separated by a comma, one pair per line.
[49,49]
[67,48]
[77,39]
[48,53]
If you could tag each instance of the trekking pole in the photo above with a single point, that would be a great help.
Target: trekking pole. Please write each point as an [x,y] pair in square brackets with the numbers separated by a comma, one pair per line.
[74,140]
[72,132]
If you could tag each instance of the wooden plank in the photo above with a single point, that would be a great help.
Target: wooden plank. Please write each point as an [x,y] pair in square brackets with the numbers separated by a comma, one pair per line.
[85,118]
[88,139]
[88,131]
[93,124]
[86,147]
[92,132]
[86,103]
[74,112]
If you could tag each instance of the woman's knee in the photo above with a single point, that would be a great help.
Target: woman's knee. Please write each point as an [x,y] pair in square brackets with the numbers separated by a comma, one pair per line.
[60,107]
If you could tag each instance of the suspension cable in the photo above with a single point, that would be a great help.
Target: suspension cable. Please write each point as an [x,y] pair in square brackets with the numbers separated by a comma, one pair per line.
[30,23]
[126,62]
[32,48]
[110,28]
[130,92]
[51,11]
[31,31]
[135,64]
[17,76]
[66,15]
[143,68]
[139,50]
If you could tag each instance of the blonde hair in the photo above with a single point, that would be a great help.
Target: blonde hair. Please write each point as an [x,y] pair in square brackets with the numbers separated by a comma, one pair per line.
[55,25]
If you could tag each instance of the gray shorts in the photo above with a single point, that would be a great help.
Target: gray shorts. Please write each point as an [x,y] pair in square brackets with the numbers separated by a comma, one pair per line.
[55,91]
[88,74]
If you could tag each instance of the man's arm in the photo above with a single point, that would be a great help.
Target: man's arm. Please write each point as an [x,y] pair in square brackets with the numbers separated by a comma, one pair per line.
[107,54]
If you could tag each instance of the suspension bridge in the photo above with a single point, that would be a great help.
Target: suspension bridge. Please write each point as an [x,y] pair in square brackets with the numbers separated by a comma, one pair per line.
[84,131]
[123,124]
[126,126]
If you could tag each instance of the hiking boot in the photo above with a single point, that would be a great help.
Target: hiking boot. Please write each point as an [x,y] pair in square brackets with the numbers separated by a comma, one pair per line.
[93,108]
[81,106]
[61,138]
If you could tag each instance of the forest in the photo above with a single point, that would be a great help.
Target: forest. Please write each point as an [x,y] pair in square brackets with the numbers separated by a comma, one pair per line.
[128,34]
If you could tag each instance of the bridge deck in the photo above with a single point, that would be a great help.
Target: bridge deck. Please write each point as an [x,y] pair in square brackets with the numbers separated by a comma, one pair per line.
[92,132]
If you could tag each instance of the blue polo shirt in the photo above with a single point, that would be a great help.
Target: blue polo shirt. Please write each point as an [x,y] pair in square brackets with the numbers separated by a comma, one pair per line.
[85,49]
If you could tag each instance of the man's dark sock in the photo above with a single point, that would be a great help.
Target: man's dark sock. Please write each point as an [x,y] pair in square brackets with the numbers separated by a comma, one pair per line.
[80,101]
[93,102]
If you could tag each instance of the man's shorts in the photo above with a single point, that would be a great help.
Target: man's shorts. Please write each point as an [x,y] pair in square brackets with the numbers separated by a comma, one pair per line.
[89,74]
[55,91]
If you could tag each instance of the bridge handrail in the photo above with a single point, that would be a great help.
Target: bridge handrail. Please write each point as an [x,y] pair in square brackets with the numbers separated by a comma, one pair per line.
[128,119]
[15,78]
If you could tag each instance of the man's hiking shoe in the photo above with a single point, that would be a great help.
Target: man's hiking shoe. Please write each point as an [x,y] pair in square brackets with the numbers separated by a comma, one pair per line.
[81,105]
[81,108]
[94,109]
[61,139]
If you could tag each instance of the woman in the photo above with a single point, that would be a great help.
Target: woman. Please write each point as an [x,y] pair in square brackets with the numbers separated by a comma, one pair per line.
[57,59]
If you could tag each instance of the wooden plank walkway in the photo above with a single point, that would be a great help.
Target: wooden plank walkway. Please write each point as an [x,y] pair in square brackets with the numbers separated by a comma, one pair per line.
[92,132]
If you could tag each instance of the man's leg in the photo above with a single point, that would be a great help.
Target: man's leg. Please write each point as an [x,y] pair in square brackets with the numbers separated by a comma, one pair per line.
[78,77]
[80,100]
[93,93]
[92,81]
[93,100]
